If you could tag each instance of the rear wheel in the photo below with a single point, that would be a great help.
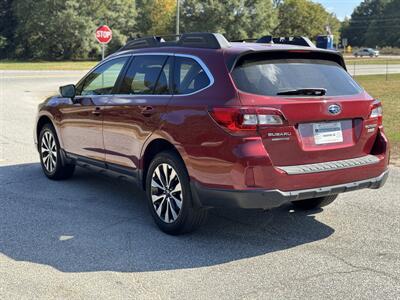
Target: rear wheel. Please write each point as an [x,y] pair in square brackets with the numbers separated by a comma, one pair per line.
[50,155]
[314,202]
[169,195]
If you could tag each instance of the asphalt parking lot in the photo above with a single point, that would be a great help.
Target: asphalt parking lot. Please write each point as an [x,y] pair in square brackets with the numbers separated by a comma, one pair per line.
[92,236]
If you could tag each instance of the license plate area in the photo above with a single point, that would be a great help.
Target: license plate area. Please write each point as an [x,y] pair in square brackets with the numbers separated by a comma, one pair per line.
[327,133]
[349,135]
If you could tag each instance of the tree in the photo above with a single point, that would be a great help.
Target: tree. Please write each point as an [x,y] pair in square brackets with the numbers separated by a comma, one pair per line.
[157,17]
[392,25]
[119,15]
[59,34]
[7,28]
[237,19]
[52,29]
[304,18]
[384,31]
[276,3]
[359,26]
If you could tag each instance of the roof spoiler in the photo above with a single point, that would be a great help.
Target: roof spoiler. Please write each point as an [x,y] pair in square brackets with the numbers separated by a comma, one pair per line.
[190,40]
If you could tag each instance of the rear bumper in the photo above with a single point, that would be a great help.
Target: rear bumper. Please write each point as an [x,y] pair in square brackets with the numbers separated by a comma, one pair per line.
[265,199]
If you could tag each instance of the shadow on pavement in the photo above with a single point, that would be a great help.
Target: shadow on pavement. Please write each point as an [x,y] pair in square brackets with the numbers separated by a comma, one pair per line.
[96,223]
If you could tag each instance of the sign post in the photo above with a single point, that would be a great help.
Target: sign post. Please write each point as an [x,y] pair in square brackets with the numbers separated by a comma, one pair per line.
[103,36]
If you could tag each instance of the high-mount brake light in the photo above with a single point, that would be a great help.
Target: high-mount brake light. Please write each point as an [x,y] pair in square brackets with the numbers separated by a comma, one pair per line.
[245,119]
[299,51]
[376,111]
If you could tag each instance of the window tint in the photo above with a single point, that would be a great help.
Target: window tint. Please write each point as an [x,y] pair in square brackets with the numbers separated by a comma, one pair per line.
[147,75]
[269,77]
[102,80]
[163,87]
[189,76]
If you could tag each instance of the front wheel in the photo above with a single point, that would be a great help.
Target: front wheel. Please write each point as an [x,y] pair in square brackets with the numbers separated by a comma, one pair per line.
[314,202]
[169,195]
[50,155]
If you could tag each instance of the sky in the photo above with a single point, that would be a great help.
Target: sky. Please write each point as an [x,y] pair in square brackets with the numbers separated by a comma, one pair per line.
[341,8]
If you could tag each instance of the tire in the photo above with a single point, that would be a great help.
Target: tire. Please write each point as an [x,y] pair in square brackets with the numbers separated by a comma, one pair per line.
[169,197]
[314,202]
[50,155]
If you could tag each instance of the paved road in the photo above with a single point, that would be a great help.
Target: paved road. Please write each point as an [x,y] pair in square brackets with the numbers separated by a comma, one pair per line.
[351,56]
[92,237]
[356,69]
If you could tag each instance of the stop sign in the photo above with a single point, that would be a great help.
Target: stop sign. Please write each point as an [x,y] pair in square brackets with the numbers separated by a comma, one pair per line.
[104,34]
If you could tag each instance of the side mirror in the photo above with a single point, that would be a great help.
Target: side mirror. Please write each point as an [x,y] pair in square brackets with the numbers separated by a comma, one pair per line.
[68,91]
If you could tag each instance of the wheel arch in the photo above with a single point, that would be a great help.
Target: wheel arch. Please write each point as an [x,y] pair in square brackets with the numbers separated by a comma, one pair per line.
[152,149]
[43,120]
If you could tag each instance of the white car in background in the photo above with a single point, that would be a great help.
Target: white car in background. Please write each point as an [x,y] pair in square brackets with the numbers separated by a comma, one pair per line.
[366,52]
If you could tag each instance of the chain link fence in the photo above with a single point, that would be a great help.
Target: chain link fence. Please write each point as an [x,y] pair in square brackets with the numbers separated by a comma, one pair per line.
[386,68]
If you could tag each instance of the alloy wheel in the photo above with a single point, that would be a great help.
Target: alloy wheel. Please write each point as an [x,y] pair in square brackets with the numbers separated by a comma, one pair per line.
[166,193]
[49,151]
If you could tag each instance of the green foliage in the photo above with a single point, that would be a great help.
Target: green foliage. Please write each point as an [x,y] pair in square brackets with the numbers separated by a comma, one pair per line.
[367,24]
[157,17]
[3,42]
[304,18]
[53,29]
[7,28]
[384,31]
[55,35]
[64,29]
[236,19]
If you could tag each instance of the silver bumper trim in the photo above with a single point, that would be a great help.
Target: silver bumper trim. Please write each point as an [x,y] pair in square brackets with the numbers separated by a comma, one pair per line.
[371,183]
[330,165]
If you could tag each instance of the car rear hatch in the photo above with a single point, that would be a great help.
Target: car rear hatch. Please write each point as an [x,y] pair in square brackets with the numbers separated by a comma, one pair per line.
[325,113]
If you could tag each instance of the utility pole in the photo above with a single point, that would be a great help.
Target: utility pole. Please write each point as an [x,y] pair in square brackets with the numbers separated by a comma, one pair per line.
[177,17]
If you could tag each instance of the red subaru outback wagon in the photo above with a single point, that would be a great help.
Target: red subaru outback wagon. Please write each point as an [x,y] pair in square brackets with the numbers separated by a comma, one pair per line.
[200,122]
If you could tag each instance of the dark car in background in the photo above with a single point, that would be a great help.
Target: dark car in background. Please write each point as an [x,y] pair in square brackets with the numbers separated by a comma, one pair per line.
[201,122]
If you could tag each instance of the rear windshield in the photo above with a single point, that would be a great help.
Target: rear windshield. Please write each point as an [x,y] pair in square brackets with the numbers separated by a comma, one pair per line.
[270,77]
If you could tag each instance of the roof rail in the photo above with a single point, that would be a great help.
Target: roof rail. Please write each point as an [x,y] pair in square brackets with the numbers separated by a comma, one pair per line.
[191,40]
[244,41]
[293,40]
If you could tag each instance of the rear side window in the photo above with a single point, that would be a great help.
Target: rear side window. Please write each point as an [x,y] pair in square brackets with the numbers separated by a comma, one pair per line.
[189,76]
[270,77]
[147,74]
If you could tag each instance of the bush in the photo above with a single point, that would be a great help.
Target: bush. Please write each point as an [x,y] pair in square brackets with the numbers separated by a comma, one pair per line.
[389,51]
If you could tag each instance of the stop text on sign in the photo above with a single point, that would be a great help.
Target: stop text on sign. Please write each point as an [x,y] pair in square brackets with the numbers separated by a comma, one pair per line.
[104,34]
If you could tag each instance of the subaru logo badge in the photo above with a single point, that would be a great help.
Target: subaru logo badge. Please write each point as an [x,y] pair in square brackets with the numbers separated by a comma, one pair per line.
[334,109]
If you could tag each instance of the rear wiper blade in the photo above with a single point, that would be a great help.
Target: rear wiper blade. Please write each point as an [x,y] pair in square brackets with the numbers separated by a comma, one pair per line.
[306,92]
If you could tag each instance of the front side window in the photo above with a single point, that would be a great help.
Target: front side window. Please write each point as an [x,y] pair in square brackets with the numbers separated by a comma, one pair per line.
[148,74]
[189,76]
[102,80]
[275,76]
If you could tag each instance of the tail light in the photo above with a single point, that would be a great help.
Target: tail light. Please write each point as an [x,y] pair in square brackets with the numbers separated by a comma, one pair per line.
[245,119]
[376,111]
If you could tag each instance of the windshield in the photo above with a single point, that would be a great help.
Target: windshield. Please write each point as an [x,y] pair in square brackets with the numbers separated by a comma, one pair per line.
[272,77]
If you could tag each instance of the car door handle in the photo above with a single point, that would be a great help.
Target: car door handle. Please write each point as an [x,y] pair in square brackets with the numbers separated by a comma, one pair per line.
[97,111]
[147,110]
